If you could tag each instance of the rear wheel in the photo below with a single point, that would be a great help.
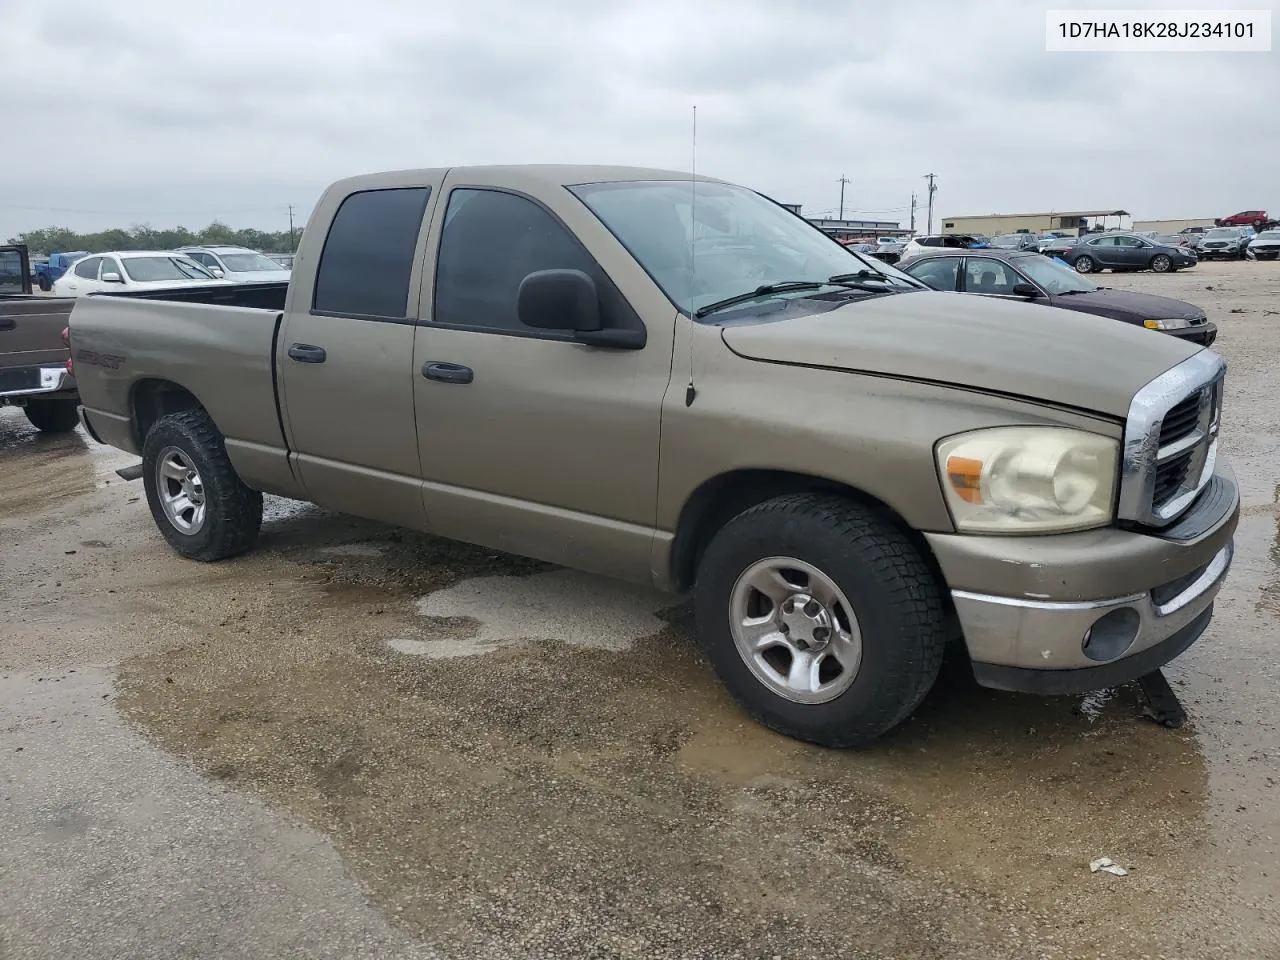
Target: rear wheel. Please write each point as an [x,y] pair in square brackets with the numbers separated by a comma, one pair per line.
[821,617]
[200,504]
[1084,264]
[52,416]
[1161,263]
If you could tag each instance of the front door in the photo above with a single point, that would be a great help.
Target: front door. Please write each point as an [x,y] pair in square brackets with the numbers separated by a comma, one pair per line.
[345,356]
[531,442]
[990,277]
[1132,252]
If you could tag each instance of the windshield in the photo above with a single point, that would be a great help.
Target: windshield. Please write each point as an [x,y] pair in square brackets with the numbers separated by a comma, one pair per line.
[1268,235]
[740,240]
[147,269]
[1223,233]
[248,262]
[1007,240]
[1053,276]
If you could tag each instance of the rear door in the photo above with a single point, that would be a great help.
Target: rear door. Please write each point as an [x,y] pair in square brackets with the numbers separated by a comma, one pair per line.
[345,352]
[82,276]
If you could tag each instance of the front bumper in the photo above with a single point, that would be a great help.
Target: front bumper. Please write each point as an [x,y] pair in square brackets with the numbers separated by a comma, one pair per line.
[21,382]
[1077,612]
[1204,334]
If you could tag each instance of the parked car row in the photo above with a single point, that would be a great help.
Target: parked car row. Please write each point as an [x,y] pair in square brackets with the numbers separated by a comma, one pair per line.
[84,273]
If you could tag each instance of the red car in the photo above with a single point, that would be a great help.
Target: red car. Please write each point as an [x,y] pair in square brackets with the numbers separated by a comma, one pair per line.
[1245,218]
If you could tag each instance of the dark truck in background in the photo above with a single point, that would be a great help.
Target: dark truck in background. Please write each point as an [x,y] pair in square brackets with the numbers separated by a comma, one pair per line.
[34,371]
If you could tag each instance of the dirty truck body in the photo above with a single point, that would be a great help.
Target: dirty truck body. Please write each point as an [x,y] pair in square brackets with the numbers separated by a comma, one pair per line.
[33,355]
[847,474]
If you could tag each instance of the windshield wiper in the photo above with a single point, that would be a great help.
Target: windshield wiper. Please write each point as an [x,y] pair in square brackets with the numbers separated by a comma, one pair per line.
[764,290]
[863,274]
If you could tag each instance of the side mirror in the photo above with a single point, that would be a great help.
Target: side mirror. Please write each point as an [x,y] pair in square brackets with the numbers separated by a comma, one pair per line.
[1028,290]
[216,271]
[112,277]
[558,300]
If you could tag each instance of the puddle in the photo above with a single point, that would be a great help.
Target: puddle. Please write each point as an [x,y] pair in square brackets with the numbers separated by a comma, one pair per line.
[576,608]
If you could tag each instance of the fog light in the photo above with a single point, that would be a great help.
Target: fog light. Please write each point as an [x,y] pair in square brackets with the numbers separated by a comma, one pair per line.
[1112,634]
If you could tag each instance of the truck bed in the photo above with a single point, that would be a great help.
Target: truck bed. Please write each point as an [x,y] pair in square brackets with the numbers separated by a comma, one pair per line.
[261,296]
[136,353]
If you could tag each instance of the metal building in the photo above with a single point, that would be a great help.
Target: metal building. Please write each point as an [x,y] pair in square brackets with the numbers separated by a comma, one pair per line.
[1172,226]
[994,224]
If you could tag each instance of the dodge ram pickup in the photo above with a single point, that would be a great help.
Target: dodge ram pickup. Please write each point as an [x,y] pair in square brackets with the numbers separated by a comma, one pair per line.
[674,380]
[33,348]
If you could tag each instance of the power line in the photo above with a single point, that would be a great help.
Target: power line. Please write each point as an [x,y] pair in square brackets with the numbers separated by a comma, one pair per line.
[155,213]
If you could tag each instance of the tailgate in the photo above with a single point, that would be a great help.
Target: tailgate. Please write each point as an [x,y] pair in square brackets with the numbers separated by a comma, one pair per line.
[31,331]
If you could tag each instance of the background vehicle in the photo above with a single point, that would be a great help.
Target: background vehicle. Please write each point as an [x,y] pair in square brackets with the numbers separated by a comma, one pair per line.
[55,266]
[1266,245]
[1245,218]
[889,249]
[1057,246]
[1225,243]
[525,358]
[33,351]
[237,264]
[1016,241]
[950,240]
[1125,251]
[132,270]
[1032,277]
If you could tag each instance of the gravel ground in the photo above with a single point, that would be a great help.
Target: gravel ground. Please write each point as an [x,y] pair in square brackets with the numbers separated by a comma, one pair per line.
[358,741]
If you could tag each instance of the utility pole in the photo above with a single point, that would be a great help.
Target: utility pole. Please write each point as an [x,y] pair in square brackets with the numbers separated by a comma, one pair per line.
[843,181]
[932,189]
[293,244]
[913,213]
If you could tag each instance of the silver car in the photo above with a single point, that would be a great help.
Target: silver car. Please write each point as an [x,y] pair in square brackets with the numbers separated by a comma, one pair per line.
[1225,243]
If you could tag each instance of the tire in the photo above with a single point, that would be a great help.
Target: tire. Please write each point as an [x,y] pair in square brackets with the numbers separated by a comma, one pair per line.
[231,513]
[53,416]
[45,283]
[1084,264]
[894,604]
[1161,263]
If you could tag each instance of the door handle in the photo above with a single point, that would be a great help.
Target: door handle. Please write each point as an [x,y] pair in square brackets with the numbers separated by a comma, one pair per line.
[448,372]
[306,353]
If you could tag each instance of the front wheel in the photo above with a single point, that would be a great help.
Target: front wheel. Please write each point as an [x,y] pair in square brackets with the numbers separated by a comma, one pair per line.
[52,416]
[821,617]
[1161,263]
[200,504]
[1084,265]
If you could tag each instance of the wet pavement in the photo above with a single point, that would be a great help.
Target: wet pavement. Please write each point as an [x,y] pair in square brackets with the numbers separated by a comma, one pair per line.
[361,742]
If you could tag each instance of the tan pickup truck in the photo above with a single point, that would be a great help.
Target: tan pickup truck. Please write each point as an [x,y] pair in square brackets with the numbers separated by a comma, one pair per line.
[678,382]
[33,349]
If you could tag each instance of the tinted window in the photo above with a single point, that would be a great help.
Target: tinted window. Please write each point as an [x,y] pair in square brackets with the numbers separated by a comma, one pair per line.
[937,272]
[1129,242]
[88,268]
[989,276]
[368,255]
[491,242]
[11,278]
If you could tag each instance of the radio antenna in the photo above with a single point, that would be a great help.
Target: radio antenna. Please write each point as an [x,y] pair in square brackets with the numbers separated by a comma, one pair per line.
[689,391]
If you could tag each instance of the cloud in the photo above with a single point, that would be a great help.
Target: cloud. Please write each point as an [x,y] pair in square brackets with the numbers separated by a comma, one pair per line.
[151,112]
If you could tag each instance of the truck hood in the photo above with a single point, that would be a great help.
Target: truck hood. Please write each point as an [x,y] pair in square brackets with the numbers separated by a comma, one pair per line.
[1033,352]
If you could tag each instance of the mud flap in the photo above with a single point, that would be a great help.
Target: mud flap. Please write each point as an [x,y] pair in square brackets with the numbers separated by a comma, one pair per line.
[1163,706]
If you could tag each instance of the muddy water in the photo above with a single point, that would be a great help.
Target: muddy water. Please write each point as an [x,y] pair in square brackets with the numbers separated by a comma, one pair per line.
[556,772]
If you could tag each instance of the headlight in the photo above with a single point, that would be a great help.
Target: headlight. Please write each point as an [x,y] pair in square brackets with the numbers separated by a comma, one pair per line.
[1029,479]
[1177,323]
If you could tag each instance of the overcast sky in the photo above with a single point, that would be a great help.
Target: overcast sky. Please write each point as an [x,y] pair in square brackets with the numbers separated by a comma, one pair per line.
[150,111]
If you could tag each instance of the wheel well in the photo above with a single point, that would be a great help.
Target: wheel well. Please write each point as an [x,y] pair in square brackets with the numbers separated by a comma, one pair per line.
[153,399]
[722,498]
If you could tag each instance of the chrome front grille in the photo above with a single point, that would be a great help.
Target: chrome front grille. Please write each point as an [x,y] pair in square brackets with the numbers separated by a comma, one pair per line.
[1171,441]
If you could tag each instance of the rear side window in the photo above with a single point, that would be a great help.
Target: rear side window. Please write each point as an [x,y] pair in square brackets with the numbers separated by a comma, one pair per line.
[88,268]
[368,255]
[937,272]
